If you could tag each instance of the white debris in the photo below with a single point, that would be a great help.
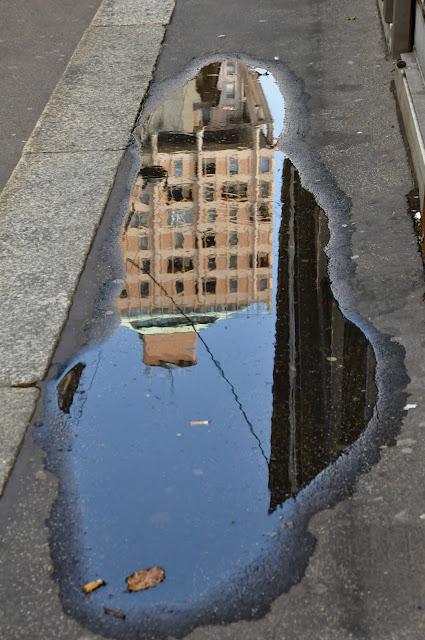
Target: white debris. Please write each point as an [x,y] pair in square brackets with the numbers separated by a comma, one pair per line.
[417,215]
[410,406]
[422,517]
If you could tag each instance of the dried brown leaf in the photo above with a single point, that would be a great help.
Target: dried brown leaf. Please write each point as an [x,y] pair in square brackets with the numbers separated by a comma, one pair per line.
[350,17]
[145,579]
[93,585]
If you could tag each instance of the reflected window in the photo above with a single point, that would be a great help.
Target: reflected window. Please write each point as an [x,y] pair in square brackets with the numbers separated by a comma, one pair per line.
[143,243]
[263,212]
[209,285]
[139,220]
[146,266]
[251,261]
[233,262]
[180,193]
[206,115]
[178,217]
[233,285]
[265,165]
[263,284]
[144,197]
[234,190]
[124,294]
[233,166]
[231,68]
[212,215]
[233,215]
[144,289]
[208,240]
[178,168]
[208,167]
[233,238]
[211,263]
[265,189]
[209,192]
[179,264]
[230,90]
[178,240]
[262,260]
[179,286]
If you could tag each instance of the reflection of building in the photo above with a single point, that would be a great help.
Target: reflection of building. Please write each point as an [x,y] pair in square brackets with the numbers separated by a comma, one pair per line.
[323,379]
[203,236]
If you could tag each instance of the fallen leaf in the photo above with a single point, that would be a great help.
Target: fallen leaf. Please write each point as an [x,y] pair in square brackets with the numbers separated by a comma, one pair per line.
[145,579]
[116,613]
[350,17]
[195,422]
[331,359]
[93,585]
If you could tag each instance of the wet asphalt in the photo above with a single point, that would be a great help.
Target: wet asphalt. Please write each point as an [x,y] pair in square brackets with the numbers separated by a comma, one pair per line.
[364,578]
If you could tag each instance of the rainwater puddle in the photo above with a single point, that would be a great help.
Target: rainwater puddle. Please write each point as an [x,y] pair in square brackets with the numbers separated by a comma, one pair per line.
[186,438]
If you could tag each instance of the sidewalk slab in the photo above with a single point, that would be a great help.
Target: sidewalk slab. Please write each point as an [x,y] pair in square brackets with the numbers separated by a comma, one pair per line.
[95,104]
[49,212]
[16,409]
[133,12]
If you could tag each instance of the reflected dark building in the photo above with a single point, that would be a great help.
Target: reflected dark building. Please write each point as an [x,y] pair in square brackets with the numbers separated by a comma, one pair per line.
[323,378]
[199,240]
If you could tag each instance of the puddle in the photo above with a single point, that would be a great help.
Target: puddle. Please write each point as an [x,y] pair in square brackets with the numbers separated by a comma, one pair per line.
[186,438]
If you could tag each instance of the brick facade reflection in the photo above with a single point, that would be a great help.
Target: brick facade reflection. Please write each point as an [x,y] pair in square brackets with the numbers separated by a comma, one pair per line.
[202,235]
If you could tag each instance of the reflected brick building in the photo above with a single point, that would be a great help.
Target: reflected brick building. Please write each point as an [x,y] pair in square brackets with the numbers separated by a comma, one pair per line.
[200,238]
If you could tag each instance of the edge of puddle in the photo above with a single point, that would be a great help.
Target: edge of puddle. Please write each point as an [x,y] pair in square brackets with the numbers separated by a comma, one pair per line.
[327,489]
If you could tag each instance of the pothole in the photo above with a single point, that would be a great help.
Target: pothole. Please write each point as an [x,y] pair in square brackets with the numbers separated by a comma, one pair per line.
[192,437]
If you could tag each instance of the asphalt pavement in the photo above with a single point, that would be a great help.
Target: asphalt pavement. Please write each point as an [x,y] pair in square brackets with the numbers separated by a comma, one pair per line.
[37,39]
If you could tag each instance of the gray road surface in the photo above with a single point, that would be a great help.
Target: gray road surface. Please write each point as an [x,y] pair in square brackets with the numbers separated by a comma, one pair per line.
[37,38]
